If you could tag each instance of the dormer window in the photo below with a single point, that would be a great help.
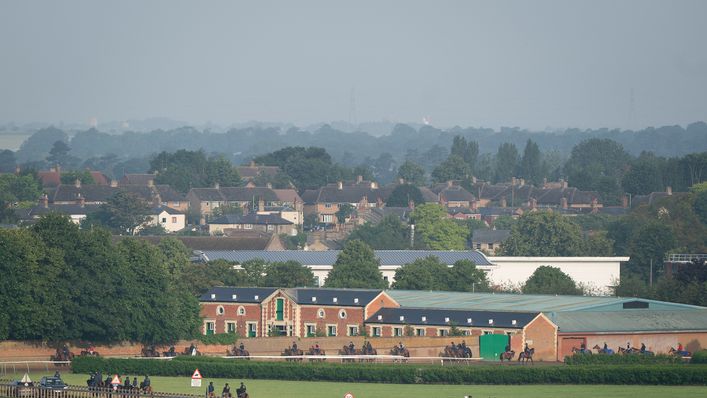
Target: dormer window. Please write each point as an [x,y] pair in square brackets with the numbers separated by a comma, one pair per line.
[335,299]
[213,296]
[256,297]
[234,296]
[446,319]
[468,320]
[314,299]
[513,322]
[380,317]
[490,321]
[424,319]
[402,318]
[356,300]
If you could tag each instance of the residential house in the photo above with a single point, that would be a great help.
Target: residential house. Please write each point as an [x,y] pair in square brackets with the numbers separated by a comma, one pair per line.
[137,179]
[52,177]
[170,219]
[326,201]
[252,171]
[489,240]
[451,196]
[252,240]
[271,223]
[159,195]
[77,211]
[249,198]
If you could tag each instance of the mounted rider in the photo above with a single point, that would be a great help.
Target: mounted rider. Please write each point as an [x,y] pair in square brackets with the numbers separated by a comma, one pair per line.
[242,348]
[317,349]
[294,349]
[352,347]
[241,391]
[210,389]
[226,392]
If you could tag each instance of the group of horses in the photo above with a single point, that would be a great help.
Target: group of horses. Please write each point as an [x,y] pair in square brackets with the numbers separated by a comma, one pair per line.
[94,383]
[151,351]
[238,352]
[626,351]
[525,356]
[458,351]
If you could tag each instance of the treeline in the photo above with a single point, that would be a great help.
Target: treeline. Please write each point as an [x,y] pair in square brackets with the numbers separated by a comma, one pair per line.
[60,282]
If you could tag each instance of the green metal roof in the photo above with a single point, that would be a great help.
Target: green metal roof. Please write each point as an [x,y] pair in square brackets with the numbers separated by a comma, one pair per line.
[526,302]
[630,321]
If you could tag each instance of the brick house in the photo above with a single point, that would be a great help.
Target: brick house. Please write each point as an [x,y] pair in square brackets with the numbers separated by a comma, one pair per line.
[249,198]
[326,201]
[270,223]
[157,195]
[299,312]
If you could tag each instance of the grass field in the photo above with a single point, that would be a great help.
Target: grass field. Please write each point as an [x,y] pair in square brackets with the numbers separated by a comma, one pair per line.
[294,389]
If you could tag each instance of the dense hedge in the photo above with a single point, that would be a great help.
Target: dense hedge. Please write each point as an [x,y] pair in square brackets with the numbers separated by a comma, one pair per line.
[699,357]
[583,359]
[403,374]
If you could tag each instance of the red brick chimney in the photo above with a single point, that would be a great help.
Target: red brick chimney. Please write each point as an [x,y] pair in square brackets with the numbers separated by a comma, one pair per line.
[77,183]
[624,201]
[503,202]
[563,203]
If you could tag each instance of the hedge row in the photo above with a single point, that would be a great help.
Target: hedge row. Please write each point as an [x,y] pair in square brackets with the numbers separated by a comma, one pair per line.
[402,374]
[699,357]
[584,359]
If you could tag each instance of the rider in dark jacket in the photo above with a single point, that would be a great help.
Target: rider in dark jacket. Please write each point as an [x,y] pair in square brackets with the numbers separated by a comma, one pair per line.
[241,390]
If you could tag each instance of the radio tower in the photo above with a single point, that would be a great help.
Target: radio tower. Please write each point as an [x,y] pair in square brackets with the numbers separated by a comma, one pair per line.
[352,109]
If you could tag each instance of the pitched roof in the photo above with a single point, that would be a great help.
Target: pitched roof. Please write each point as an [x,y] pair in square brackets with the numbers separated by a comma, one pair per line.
[247,194]
[91,193]
[169,210]
[207,194]
[454,193]
[347,194]
[524,302]
[69,209]
[328,257]
[99,178]
[249,240]
[631,321]
[448,317]
[287,195]
[49,178]
[137,179]
[168,194]
[323,297]
[251,218]
[243,294]
[490,235]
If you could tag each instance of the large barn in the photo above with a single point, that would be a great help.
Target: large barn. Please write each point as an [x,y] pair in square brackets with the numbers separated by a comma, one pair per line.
[598,274]
[552,325]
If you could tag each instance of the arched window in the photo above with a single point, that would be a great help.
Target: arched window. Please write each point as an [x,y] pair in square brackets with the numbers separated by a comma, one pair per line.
[241,310]
[321,313]
[342,314]
[220,310]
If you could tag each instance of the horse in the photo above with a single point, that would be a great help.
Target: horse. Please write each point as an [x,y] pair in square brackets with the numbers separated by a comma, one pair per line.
[89,353]
[583,351]
[61,356]
[602,351]
[316,352]
[403,352]
[344,351]
[238,352]
[526,356]
[150,351]
[451,351]
[289,352]
[507,355]
[368,351]
[682,354]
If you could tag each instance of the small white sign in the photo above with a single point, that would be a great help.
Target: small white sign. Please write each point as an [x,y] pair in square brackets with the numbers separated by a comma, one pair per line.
[196,382]
[348,395]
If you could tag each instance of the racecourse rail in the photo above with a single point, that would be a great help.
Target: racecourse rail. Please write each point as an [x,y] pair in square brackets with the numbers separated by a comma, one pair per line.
[343,358]
[8,390]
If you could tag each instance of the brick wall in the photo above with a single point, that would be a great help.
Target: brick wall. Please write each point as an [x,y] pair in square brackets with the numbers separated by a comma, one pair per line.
[541,334]
[309,314]
[209,314]
[660,343]
[382,301]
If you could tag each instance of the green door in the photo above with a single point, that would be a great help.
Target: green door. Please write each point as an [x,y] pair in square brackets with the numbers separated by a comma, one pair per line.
[492,345]
[279,310]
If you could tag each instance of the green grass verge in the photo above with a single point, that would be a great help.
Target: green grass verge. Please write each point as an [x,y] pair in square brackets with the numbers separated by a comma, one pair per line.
[303,389]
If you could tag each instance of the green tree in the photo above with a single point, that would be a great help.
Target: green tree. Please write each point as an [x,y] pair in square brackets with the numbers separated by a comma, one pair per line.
[288,274]
[598,165]
[550,280]
[345,211]
[59,154]
[700,206]
[465,277]
[531,167]
[183,170]
[403,194]
[504,222]
[70,177]
[507,159]
[7,161]
[454,168]
[645,175]
[389,234]
[412,173]
[225,208]
[422,274]
[123,213]
[356,267]
[469,151]
[544,234]
[436,230]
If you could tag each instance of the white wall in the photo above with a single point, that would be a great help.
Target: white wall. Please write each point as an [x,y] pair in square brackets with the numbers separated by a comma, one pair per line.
[596,273]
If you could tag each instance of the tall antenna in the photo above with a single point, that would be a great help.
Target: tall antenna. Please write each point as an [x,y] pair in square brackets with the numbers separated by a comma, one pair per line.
[352,108]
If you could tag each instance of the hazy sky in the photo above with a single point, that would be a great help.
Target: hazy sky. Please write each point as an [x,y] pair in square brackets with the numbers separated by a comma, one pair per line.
[531,64]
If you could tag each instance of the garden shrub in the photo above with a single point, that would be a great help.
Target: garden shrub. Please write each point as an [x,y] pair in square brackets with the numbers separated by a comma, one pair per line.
[699,357]
[584,359]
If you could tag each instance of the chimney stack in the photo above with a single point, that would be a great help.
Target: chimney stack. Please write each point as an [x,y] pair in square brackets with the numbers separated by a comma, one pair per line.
[359,179]
[114,183]
[513,181]
[217,185]
[261,205]
[503,202]
[151,182]
[44,201]
[544,182]
[522,182]
[533,203]
[563,203]
[58,168]
[474,205]
[17,169]
[450,183]
[268,185]
[624,202]
[77,183]
[473,179]
[669,190]
[340,185]
[374,185]
[81,200]
[401,181]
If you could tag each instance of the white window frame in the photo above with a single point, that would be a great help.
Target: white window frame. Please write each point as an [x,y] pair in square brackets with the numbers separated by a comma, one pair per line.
[247,328]
[420,332]
[328,330]
[321,313]
[314,329]
[208,322]
[349,328]
[220,311]
[442,332]
[240,311]
[376,331]
[342,314]
[398,332]
[227,323]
